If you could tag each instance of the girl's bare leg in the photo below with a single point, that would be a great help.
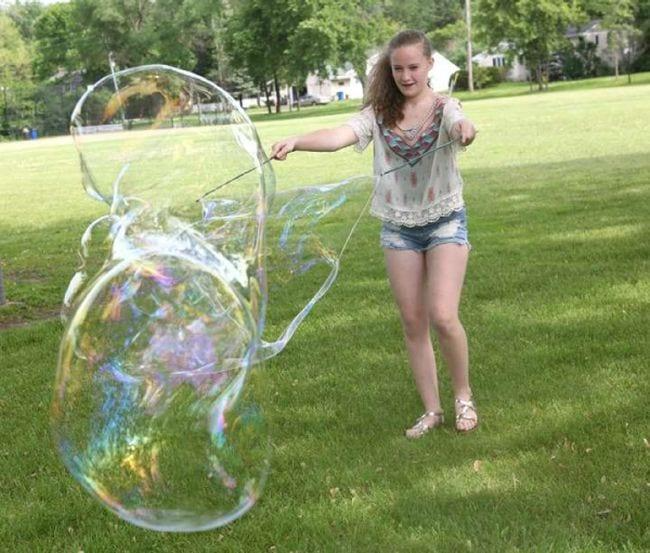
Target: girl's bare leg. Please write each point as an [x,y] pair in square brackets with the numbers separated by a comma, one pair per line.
[406,272]
[445,272]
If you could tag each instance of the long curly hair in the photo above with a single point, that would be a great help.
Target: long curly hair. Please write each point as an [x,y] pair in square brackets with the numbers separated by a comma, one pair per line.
[383,95]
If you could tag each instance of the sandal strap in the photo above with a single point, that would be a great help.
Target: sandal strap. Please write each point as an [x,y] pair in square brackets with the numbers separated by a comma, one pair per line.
[466,405]
[420,428]
[430,414]
[466,402]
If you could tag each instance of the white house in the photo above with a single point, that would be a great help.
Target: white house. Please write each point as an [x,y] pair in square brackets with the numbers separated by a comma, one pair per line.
[340,85]
[591,32]
[517,71]
[345,83]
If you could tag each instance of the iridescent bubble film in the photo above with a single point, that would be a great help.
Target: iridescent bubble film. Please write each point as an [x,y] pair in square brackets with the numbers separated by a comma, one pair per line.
[157,409]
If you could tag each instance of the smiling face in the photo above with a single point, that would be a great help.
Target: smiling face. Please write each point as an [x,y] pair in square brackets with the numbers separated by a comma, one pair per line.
[410,68]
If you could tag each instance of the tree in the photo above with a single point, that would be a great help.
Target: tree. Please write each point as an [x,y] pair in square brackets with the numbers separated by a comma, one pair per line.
[24,16]
[623,35]
[580,61]
[54,49]
[442,21]
[627,24]
[425,15]
[277,41]
[533,28]
[338,32]
[363,27]
[15,75]
[642,22]
[142,31]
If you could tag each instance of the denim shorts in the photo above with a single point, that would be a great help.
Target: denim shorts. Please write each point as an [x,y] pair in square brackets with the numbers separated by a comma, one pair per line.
[451,229]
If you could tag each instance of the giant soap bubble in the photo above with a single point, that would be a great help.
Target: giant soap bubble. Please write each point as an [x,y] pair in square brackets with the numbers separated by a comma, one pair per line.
[156,410]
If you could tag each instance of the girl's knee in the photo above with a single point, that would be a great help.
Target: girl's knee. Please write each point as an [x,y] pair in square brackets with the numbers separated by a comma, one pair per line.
[415,324]
[444,322]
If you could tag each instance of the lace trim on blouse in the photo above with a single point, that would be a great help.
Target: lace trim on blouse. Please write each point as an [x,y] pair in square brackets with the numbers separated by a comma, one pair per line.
[409,218]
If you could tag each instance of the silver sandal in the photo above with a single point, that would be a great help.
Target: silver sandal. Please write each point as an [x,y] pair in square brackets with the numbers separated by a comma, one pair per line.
[465,406]
[420,428]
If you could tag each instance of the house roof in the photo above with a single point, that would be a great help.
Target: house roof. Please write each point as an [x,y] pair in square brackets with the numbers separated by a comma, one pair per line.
[590,27]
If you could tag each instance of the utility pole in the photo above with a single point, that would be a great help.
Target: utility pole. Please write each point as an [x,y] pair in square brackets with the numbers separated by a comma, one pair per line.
[468,20]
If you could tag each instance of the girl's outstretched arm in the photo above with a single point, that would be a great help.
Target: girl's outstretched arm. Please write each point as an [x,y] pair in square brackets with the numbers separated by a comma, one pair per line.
[323,140]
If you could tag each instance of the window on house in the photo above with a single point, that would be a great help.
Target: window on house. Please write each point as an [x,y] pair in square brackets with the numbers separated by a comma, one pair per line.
[596,37]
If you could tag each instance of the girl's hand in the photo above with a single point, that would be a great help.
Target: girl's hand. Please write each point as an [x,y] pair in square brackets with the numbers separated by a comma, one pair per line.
[281,149]
[465,130]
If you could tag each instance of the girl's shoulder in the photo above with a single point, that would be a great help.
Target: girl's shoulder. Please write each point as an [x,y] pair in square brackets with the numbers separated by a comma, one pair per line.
[369,114]
[442,101]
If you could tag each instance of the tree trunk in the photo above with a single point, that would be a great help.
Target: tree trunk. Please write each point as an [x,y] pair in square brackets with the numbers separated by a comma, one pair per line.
[268,98]
[276,85]
[547,75]
[2,289]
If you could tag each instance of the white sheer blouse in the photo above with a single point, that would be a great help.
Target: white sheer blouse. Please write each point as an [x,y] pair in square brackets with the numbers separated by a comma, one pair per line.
[420,193]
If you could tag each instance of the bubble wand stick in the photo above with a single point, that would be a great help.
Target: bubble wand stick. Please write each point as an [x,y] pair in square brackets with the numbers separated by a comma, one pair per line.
[411,162]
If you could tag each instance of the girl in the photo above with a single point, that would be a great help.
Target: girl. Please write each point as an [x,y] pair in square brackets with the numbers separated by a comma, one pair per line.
[424,232]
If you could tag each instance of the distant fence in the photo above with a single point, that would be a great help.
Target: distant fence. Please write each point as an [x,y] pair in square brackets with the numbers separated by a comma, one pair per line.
[94,129]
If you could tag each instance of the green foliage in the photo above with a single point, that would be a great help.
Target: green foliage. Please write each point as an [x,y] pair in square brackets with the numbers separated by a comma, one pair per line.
[54,33]
[25,15]
[425,15]
[144,31]
[15,78]
[442,20]
[362,28]
[54,107]
[15,60]
[581,61]
[285,40]
[257,39]
[244,45]
[483,77]
[535,28]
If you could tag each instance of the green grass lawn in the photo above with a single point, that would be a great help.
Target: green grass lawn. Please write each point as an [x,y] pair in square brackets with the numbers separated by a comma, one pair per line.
[556,307]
